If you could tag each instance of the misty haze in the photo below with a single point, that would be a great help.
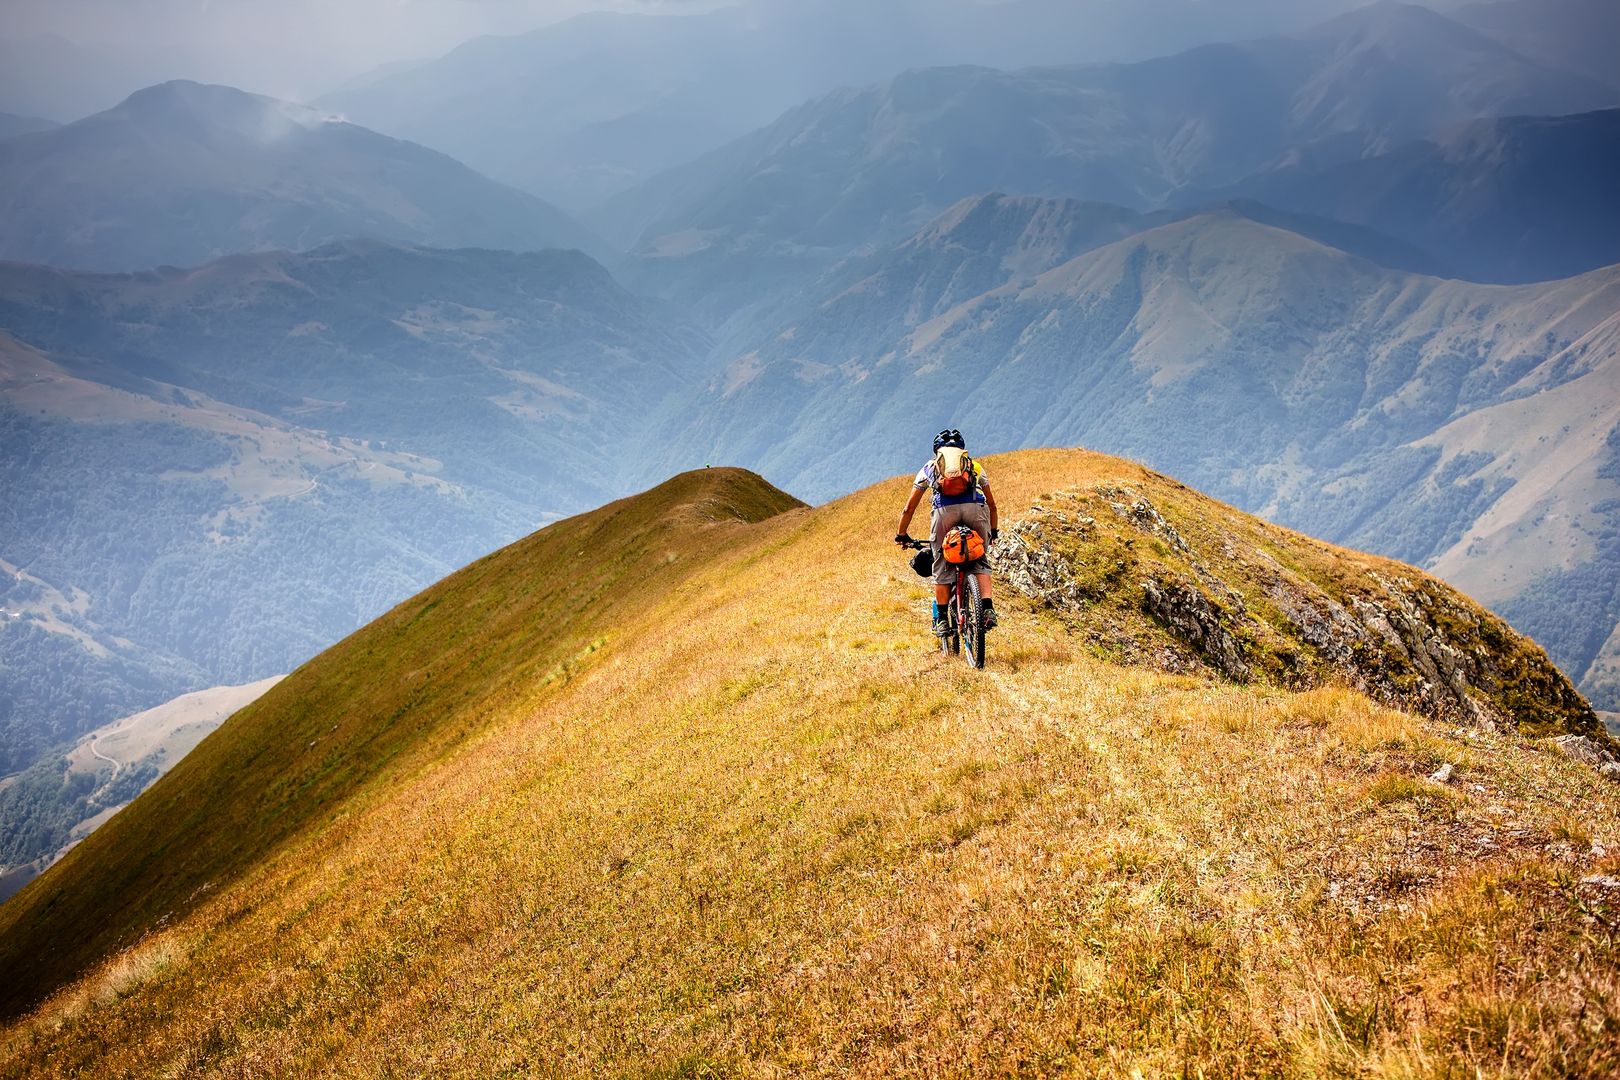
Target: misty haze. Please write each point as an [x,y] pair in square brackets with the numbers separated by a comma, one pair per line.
[461,611]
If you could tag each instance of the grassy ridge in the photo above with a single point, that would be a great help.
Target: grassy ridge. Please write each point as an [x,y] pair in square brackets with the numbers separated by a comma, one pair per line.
[762,830]
[390,698]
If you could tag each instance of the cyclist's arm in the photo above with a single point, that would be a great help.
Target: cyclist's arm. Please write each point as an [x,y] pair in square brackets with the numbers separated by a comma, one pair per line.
[911,508]
[990,503]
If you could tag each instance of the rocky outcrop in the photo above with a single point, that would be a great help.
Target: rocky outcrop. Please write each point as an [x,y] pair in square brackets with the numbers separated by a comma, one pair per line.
[1588,751]
[1036,569]
[1161,576]
[1193,617]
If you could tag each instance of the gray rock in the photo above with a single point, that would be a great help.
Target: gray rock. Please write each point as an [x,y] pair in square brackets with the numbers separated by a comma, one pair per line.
[1442,775]
[1033,568]
[1446,672]
[1320,622]
[1194,618]
[1585,750]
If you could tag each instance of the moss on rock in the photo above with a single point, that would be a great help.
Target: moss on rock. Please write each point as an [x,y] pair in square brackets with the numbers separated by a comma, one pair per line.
[1158,575]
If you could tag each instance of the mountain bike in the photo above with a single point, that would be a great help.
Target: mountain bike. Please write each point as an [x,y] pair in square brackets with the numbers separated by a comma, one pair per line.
[964,617]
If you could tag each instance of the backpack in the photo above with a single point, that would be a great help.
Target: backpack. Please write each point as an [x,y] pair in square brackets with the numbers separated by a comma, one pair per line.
[953,471]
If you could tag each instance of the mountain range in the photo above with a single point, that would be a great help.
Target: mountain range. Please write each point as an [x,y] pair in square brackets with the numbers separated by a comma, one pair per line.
[1437,421]
[21,125]
[623,96]
[213,473]
[1511,200]
[1579,35]
[875,164]
[622,789]
[182,173]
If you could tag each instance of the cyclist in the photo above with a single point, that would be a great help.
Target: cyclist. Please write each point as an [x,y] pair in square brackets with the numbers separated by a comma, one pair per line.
[970,503]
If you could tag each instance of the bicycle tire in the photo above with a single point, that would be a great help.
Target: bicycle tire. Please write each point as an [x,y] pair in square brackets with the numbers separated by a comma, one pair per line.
[973,624]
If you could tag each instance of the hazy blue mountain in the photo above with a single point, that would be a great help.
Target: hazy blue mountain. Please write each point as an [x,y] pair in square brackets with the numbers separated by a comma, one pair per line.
[182,172]
[1509,200]
[503,104]
[11,125]
[1460,425]
[987,242]
[1576,35]
[589,107]
[871,165]
[978,245]
[211,474]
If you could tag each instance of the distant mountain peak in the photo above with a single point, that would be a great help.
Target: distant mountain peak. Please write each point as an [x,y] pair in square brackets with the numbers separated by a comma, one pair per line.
[1219,235]
[874,165]
[1416,35]
[182,172]
[185,93]
[1388,17]
[183,99]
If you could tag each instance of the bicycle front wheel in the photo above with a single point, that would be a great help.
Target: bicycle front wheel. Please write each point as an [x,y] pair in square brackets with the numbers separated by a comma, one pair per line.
[973,623]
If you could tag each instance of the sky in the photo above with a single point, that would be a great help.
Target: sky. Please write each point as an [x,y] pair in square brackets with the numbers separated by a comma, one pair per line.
[290,48]
[300,49]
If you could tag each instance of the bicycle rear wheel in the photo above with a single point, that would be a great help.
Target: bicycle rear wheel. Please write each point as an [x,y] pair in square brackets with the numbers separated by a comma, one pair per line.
[973,623]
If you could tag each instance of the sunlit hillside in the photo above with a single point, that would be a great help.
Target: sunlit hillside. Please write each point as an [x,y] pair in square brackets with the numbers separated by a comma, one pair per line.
[683,788]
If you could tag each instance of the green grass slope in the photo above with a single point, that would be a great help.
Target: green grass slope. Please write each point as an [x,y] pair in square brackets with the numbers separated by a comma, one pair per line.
[679,788]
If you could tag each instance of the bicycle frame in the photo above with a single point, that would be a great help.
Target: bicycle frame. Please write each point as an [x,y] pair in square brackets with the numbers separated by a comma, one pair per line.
[963,628]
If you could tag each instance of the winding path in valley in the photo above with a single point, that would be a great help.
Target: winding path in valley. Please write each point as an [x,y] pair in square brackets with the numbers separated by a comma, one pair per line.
[114,762]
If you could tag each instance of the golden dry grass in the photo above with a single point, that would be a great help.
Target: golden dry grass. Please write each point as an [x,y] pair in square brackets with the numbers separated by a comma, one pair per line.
[760,829]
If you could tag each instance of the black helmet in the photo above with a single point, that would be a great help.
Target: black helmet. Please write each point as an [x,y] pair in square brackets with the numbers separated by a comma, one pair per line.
[949,437]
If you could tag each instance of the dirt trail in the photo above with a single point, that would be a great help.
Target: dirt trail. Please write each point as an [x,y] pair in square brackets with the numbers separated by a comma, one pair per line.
[118,766]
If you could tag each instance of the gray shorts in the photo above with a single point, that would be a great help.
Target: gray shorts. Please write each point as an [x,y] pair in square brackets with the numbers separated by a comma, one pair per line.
[975,516]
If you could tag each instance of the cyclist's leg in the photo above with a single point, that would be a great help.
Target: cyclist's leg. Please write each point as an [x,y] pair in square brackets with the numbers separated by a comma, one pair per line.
[936,531]
[942,592]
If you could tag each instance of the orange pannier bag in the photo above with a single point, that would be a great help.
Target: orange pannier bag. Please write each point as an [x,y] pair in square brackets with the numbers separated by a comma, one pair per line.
[963,545]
